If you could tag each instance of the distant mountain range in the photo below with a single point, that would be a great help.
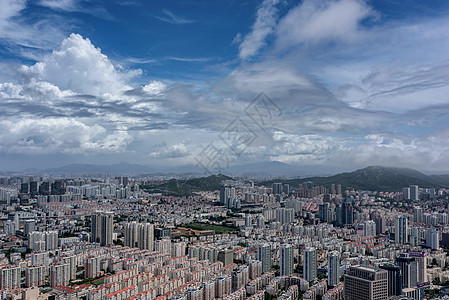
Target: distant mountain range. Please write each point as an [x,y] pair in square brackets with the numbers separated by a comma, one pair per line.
[375,178]
[263,170]
[370,178]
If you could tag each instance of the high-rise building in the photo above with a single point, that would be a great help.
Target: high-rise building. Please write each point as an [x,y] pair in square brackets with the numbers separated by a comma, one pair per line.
[286,261]
[9,277]
[369,228]
[400,230]
[415,237]
[277,188]
[394,280]
[333,268]
[226,257]
[71,260]
[225,195]
[323,212]
[59,275]
[34,276]
[381,224]
[29,226]
[406,193]
[46,240]
[347,213]
[92,267]
[102,228]
[421,261]
[264,255]
[414,192]
[178,249]
[310,264]
[140,235]
[366,283]
[417,215]
[163,246]
[432,238]
[409,270]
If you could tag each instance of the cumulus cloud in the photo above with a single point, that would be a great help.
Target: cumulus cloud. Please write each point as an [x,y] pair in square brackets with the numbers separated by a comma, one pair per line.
[264,25]
[322,21]
[80,67]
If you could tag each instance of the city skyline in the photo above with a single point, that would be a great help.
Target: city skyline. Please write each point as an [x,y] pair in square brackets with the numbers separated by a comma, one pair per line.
[348,83]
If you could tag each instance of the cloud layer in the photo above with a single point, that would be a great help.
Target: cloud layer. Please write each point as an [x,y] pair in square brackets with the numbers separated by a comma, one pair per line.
[346,94]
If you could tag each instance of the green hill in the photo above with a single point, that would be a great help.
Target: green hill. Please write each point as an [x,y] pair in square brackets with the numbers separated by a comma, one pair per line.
[375,178]
[186,187]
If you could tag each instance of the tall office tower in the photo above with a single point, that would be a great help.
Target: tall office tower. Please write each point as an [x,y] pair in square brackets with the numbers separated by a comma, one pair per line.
[381,224]
[44,188]
[421,262]
[310,264]
[34,188]
[24,188]
[414,192]
[369,228]
[286,260]
[35,276]
[102,227]
[92,267]
[226,256]
[409,270]
[400,230]
[277,188]
[59,275]
[394,280]
[347,214]
[417,215]
[163,246]
[333,268]
[338,189]
[225,195]
[406,193]
[432,238]
[58,187]
[9,277]
[264,255]
[323,212]
[366,283]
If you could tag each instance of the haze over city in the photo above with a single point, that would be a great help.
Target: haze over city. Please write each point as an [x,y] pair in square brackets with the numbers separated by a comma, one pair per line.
[350,83]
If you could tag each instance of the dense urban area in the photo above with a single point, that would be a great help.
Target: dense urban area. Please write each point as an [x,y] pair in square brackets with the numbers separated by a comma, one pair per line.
[119,238]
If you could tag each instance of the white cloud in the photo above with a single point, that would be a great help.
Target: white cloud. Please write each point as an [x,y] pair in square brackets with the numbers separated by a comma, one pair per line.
[263,26]
[172,18]
[174,151]
[67,5]
[322,20]
[154,88]
[59,135]
[80,67]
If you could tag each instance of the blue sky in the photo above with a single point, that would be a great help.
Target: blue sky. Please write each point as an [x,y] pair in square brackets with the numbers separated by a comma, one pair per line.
[350,83]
